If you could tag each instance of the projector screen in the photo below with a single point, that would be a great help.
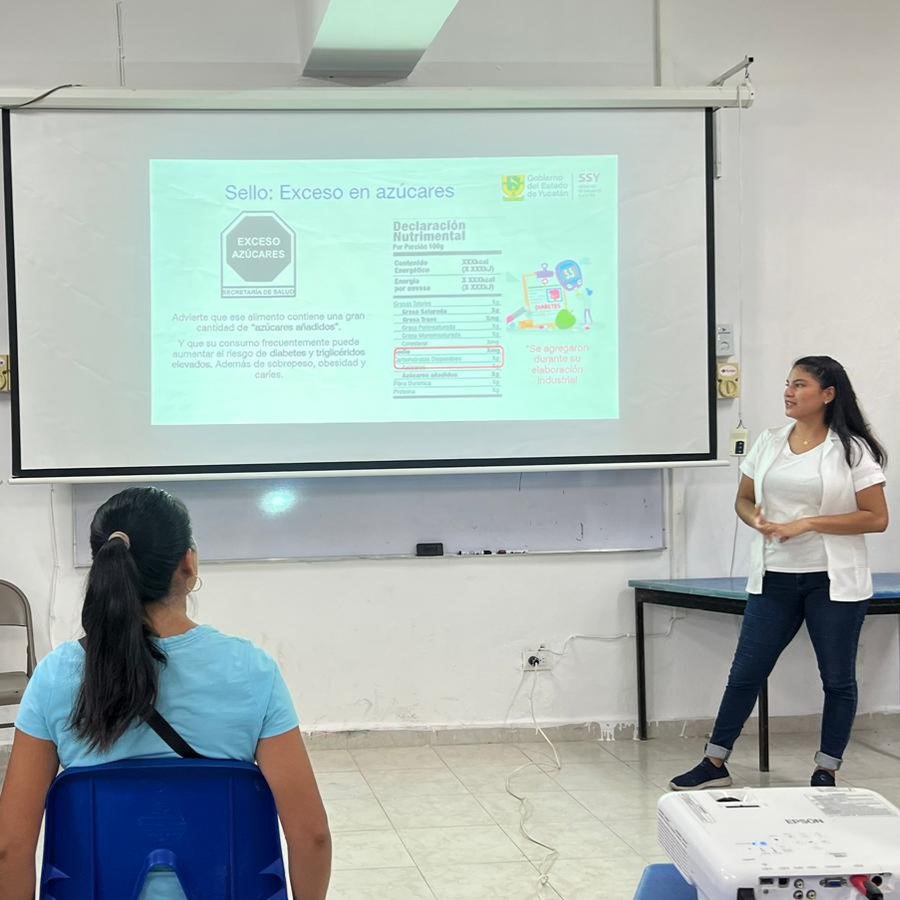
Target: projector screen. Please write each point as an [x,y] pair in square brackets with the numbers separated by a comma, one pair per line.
[327,290]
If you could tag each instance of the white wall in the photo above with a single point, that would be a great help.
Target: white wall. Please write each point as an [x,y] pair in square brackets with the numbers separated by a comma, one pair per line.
[371,644]
[820,276]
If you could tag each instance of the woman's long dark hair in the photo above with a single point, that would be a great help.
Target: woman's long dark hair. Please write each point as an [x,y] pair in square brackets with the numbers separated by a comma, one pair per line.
[121,671]
[843,415]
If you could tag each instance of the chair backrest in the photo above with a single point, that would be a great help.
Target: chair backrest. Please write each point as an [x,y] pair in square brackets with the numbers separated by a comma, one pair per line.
[212,821]
[663,881]
[14,610]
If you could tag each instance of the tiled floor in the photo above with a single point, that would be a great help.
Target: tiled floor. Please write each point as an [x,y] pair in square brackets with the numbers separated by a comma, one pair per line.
[436,823]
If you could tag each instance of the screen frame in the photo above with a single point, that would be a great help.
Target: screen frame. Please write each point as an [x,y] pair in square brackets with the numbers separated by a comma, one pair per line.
[359,467]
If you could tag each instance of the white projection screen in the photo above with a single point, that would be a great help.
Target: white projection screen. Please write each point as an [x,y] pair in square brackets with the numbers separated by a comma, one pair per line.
[316,291]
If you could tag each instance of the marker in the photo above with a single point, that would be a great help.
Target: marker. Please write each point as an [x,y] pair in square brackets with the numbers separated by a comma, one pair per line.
[490,552]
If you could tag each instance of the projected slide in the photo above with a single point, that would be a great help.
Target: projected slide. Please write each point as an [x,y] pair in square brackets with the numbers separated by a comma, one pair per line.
[384,290]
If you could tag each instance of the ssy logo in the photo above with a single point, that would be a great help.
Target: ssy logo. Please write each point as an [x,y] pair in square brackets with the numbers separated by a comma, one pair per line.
[513,187]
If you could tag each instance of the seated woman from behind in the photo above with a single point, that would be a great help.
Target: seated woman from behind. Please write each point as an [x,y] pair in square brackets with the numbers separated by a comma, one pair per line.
[87,701]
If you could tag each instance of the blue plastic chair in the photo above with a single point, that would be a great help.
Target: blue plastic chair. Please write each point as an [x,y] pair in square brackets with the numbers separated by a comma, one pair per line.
[663,881]
[211,821]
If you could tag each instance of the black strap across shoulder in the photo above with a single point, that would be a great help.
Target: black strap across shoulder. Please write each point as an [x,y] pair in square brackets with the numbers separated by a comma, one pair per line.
[171,736]
[164,730]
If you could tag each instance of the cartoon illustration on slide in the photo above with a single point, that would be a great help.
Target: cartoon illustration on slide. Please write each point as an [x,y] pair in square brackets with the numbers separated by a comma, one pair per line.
[544,274]
[568,274]
[552,299]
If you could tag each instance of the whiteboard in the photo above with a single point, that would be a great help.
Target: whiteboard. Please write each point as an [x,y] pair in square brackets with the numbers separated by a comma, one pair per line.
[320,518]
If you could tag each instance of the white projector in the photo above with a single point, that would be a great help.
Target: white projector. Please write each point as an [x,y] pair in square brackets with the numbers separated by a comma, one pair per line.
[780,843]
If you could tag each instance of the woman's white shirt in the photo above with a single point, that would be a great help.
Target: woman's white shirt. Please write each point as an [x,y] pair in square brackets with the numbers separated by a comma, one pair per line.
[846,560]
[793,488]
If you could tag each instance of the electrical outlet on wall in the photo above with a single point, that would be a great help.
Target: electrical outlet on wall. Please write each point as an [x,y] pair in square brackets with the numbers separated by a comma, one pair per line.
[738,442]
[538,660]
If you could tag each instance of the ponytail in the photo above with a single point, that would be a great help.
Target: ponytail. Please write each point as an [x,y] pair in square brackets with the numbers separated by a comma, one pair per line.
[122,659]
[843,415]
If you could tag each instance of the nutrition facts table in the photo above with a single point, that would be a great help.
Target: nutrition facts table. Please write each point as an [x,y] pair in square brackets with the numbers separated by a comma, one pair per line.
[447,324]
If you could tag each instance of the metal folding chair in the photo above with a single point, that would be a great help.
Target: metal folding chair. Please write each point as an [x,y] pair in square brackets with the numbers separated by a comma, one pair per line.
[15,612]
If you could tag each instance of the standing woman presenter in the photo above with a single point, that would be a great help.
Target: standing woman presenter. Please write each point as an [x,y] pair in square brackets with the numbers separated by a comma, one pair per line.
[811,489]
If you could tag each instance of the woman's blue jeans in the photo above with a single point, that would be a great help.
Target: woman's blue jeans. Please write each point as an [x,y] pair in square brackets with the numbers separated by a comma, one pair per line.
[771,620]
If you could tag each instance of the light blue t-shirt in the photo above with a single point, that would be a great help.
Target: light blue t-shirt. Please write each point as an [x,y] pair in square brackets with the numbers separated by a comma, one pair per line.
[220,693]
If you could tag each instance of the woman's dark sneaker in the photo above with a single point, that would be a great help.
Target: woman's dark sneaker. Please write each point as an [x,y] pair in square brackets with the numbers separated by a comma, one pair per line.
[822,778]
[704,775]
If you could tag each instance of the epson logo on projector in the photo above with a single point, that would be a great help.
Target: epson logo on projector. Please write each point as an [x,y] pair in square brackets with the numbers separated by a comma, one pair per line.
[805,821]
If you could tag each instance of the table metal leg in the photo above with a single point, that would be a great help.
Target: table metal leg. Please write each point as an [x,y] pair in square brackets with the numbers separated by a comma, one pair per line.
[641,668]
[764,727]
